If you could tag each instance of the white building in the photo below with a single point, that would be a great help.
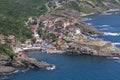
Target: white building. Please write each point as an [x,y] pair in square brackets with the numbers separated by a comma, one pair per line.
[36,35]
[78,31]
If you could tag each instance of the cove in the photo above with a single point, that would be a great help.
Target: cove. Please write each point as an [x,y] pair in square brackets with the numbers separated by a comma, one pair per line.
[77,67]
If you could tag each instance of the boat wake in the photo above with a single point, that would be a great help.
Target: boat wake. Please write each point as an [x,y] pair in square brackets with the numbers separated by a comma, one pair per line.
[51,68]
[111,34]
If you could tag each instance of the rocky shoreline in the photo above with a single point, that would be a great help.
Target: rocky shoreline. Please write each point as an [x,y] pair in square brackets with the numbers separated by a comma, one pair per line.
[8,66]
[111,10]
[80,44]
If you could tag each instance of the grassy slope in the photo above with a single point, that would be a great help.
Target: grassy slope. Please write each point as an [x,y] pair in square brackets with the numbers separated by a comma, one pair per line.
[98,3]
[13,13]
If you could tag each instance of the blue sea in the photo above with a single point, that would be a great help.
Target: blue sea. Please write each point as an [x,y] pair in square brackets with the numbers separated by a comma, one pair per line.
[74,67]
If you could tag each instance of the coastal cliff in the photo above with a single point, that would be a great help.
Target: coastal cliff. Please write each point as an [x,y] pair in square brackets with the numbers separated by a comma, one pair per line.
[92,46]
[8,66]
[59,29]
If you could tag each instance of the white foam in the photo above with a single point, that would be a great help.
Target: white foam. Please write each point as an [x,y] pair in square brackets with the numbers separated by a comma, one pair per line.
[114,58]
[116,12]
[16,71]
[106,13]
[115,44]
[105,25]
[51,68]
[25,70]
[87,19]
[89,24]
[104,29]
[111,34]
[118,61]
[2,78]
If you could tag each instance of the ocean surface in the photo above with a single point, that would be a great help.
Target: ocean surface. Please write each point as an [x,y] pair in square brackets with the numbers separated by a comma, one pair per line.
[74,67]
[109,24]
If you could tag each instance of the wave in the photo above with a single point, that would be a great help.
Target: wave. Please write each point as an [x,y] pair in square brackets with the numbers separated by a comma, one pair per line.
[51,68]
[116,12]
[114,58]
[87,19]
[4,77]
[118,61]
[16,71]
[24,70]
[115,44]
[107,28]
[104,26]
[111,34]
[104,29]
[105,13]
[89,24]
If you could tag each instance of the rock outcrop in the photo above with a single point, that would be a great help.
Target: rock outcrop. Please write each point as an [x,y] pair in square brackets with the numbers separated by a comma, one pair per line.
[8,66]
[29,62]
[91,46]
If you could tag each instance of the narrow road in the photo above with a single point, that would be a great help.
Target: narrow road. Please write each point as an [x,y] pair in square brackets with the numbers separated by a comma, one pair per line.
[47,7]
[57,4]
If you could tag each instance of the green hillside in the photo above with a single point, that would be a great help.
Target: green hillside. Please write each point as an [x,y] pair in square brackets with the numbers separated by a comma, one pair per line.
[88,6]
[13,14]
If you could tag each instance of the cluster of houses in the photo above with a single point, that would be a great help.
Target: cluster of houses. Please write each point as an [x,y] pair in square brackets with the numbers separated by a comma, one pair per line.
[54,39]
[59,34]
[6,39]
[56,28]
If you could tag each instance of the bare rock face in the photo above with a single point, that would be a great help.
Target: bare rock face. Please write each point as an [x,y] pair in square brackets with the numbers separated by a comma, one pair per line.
[91,46]
[4,70]
[88,30]
[29,62]
[8,66]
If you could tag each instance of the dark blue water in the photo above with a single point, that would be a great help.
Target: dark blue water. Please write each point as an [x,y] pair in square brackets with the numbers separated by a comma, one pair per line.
[109,24]
[72,67]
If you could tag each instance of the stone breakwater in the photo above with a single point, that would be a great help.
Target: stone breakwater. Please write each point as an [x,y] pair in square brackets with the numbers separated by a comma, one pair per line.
[8,66]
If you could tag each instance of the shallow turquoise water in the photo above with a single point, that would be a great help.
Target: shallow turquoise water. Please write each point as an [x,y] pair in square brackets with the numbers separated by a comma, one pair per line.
[74,67]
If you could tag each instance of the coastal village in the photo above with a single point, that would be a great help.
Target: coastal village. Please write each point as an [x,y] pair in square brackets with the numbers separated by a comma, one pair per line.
[60,30]
[61,33]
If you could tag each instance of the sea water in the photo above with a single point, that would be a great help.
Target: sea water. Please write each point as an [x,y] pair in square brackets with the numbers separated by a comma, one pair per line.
[109,24]
[74,67]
